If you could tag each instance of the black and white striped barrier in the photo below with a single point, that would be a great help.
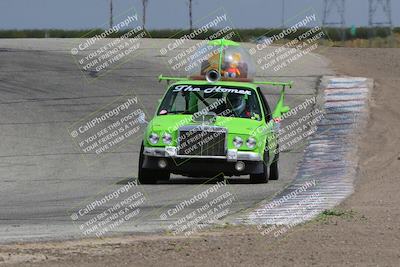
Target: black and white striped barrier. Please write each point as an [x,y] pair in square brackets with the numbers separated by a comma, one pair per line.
[325,175]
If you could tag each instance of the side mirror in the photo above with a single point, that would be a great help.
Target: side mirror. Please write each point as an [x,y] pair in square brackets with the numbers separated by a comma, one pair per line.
[142,118]
[285,109]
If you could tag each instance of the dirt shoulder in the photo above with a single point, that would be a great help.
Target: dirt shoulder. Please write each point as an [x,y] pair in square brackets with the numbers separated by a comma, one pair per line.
[365,230]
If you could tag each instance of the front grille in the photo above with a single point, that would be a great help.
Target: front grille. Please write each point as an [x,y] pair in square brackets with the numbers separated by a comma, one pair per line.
[202,140]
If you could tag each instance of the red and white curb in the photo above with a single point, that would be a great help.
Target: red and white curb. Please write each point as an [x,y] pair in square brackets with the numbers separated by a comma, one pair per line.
[325,175]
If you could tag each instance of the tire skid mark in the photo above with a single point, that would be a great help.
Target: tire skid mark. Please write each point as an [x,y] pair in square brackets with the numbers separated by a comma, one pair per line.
[330,157]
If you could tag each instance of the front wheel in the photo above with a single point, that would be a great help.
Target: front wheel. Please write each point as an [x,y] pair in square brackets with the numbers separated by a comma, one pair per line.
[147,176]
[264,176]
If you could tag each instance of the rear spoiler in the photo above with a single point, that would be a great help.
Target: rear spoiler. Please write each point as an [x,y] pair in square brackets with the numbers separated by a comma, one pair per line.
[165,78]
[283,84]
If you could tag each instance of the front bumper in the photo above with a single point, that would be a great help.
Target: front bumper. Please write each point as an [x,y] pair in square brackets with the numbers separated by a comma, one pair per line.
[232,155]
[208,166]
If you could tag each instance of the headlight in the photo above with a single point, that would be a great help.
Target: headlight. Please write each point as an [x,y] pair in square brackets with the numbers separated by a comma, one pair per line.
[167,138]
[153,138]
[251,142]
[237,141]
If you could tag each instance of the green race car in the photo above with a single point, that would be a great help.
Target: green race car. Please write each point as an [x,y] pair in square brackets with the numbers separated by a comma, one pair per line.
[215,124]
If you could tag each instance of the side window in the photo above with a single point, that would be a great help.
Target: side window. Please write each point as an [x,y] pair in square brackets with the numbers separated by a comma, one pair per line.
[265,106]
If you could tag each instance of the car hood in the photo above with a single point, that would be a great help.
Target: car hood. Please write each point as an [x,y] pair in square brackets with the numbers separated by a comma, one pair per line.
[171,123]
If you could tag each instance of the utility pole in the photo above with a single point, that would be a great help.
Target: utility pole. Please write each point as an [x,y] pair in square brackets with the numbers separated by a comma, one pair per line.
[334,16]
[111,14]
[190,15]
[144,3]
[374,20]
[283,14]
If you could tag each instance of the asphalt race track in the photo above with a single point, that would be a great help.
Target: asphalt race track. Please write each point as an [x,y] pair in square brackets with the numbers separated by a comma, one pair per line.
[43,178]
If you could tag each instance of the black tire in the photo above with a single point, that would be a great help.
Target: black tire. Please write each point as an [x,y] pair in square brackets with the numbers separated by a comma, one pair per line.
[218,178]
[274,169]
[163,175]
[263,177]
[145,176]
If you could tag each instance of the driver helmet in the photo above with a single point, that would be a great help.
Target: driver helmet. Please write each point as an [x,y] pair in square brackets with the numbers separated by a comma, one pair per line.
[236,102]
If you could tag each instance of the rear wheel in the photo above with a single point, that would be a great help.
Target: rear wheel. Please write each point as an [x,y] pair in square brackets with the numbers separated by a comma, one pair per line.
[261,177]
[273,169]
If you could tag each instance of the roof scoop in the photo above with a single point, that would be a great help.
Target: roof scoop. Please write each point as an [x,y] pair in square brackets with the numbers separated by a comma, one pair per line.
[213,76]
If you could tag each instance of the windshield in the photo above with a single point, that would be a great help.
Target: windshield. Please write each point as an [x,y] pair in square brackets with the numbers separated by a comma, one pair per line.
[223,101]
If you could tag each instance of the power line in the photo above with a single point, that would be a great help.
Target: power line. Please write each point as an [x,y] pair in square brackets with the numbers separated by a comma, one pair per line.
[190,15]
[382,21]
[111,14]
[374,19]
[334,15]
[283,14]
[144,3]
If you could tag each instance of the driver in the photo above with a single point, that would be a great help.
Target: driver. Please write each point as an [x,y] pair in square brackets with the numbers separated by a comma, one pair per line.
[237,104]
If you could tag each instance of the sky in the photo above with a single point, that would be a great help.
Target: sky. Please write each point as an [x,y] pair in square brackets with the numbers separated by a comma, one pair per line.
[168,14]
